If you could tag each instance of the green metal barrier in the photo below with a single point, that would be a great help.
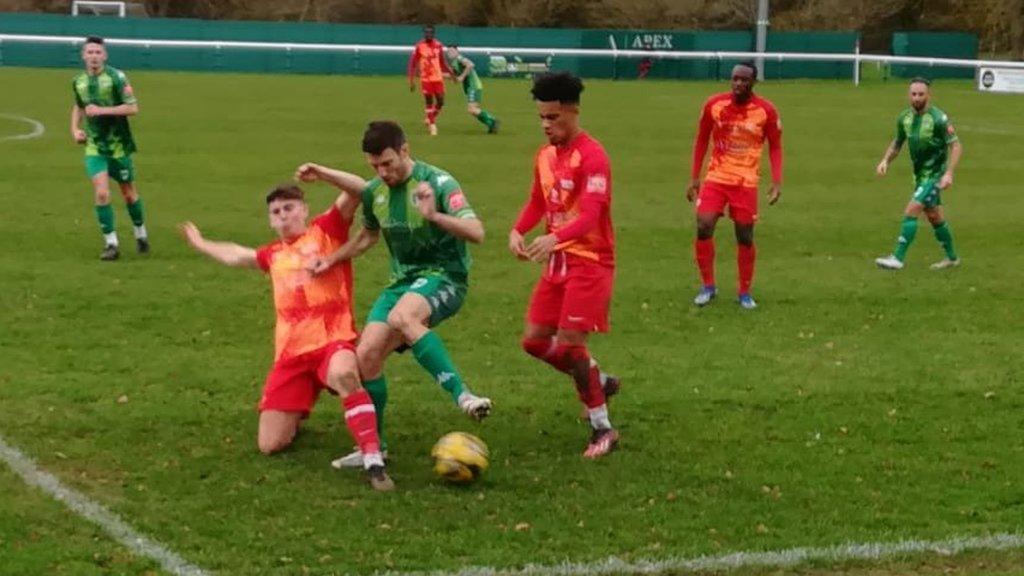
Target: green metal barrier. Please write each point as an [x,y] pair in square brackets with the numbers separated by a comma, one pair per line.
[935,44]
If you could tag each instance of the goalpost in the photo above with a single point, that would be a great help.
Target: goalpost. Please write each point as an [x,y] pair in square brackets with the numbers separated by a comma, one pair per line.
[98,8]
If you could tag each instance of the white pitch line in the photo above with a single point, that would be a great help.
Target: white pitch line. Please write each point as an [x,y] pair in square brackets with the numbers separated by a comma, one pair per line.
[737,560]
[37,128]
[83,506]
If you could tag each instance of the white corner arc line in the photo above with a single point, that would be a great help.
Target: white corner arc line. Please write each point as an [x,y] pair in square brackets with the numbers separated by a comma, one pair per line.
[83,506]
[738,560]
[37,128]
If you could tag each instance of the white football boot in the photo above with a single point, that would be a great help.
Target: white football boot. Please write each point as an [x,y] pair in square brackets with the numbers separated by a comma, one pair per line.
[889,263]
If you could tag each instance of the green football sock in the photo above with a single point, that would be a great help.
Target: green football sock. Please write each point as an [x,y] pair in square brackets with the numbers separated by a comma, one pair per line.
[907,232]
[378,391]
[430,352]
[486,118]
[135,212]
[105,215]
[945,237]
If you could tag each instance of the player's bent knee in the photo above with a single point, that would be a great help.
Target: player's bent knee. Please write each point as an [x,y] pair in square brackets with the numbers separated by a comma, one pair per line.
[273,443]
[536,347]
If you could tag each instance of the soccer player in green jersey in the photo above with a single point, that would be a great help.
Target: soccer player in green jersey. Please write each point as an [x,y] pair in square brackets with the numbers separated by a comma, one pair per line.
[426,221]
[465,72]
[934,153]
[104,100]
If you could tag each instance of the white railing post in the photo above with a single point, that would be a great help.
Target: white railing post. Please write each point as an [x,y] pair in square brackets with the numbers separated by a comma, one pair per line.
[856,62]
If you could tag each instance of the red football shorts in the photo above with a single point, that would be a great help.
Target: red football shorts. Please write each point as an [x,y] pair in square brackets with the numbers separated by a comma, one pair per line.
[294,384]
[741,200]
[576,300]
[432,88]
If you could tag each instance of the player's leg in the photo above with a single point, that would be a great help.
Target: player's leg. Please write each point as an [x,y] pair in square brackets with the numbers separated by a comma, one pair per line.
[429,109]
[340,372]
[474,98]
[945,237]
[710,205]
[429,301]
[746,254]
[908,230]
[277,429]
[124,173]
[96,167]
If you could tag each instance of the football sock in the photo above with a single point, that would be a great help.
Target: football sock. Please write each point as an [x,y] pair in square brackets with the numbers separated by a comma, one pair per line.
[431,354]
[361,419]
[105,215]
[486,119]
[544,349]
[430,113]
[378,391]
[907,232]
[135,212]
[586,377]
[704,251]
[945,237]
[745,257]
[599,417]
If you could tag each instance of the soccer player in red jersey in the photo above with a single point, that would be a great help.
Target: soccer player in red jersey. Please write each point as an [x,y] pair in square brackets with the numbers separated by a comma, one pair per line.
[572,190]
[315,333]
[737,122]
[428,56]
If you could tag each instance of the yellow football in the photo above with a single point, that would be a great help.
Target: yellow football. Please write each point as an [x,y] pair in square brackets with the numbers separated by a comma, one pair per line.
[460,457]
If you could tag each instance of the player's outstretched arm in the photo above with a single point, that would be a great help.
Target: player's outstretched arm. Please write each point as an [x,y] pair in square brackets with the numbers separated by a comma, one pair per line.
[344,181]
[227,253]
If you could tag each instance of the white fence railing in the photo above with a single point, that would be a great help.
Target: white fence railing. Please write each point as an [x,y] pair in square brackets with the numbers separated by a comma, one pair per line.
[854,58]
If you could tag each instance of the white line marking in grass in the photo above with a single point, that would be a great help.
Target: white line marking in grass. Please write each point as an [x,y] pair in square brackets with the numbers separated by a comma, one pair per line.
[83,506]
[736,560]
[37,128]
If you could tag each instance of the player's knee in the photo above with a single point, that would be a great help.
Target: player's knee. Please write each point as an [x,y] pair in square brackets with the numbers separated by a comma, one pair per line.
[102,197]
[745,236]
[343,381]
[371,360]
[273,443]
[705,229]
[536,347]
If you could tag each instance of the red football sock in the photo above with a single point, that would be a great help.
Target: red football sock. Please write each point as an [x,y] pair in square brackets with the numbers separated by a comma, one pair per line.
[429,113]
[586,377]
[704,251]
[745,257]
[361,419]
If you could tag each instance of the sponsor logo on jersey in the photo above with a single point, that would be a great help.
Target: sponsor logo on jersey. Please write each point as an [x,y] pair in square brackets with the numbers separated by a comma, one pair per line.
[598,184]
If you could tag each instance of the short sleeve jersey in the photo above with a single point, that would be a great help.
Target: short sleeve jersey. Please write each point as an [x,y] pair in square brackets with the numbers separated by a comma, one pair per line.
[419,247]
[312,311]
[562,175]
[472,80]
[738,133]
[428,55]
[928,136]
[106,135]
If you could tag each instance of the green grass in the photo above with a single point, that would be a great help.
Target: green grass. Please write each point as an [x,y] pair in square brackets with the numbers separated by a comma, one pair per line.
[854,405]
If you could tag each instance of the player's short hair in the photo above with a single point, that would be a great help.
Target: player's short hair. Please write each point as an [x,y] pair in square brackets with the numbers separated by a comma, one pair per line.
[749,64]
[286,191]
[921,80]
[93,40]
[561,87]
[428,27]
[381,135]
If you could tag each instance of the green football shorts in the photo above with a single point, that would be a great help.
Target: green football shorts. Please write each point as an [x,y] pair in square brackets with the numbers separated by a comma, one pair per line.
[474,96]
[120,169]
[445,297]
[927,194]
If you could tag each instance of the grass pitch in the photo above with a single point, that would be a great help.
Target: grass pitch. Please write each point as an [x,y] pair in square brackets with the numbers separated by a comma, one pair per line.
[854,405]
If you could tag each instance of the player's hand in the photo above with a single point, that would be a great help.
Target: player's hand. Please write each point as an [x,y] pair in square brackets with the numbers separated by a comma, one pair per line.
[319,265]
[773,194]
[191,233]
[412,86]
[308,172]
[882,168]
[92,110]
[79,136]
[692,189]
[946,181]
[425,201]
[517,245]
[541,247]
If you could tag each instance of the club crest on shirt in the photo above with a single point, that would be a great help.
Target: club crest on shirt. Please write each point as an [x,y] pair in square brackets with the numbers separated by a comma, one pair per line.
[457,201]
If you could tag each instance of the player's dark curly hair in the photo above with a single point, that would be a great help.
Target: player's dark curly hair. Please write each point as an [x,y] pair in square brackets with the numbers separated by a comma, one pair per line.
[94,40]
[381,135]
[562,87]
[287,191]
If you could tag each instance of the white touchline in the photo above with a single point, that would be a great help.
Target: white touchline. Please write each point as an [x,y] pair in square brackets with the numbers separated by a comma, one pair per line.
[737,560]
[37,128]
[83,506]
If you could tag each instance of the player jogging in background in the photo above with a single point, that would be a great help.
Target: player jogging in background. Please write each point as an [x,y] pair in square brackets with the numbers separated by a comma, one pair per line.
[104,100]
[428,57]
[572,190]
[315,333]
[426,220]
[464,71]
[736,123]
[934,153]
